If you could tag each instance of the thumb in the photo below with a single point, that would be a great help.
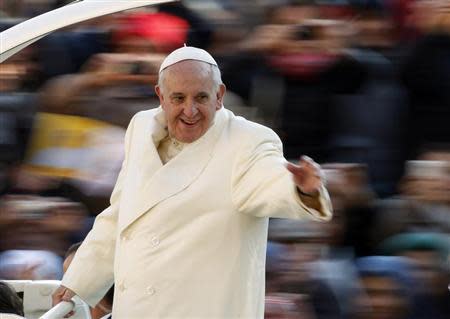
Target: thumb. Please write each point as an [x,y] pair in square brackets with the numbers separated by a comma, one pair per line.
[62,294]
[292,168]
[68,295]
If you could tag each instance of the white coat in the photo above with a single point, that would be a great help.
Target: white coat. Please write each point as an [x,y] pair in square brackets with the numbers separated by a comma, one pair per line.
[188,239]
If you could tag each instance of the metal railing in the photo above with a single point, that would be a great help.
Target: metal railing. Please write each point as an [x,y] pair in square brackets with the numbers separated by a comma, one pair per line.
[59,311]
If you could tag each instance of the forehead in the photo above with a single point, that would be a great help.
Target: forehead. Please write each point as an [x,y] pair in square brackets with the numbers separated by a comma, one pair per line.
[188,69]
[188,77]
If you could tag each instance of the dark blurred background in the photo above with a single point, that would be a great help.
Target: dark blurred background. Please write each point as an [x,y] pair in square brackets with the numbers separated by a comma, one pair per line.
[361,86]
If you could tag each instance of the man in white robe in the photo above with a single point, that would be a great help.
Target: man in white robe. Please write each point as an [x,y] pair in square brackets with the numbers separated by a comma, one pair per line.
[185,234]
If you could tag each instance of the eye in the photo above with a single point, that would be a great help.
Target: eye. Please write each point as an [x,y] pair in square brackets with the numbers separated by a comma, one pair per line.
[177,99]
[202,98]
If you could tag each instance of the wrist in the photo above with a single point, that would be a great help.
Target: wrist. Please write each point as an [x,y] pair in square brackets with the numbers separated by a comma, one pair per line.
[302,193]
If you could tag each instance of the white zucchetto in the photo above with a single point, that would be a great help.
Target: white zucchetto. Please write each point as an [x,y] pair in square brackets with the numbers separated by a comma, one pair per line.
[187,53]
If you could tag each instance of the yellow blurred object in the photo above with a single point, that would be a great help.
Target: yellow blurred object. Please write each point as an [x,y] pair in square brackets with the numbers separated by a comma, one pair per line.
[59,144]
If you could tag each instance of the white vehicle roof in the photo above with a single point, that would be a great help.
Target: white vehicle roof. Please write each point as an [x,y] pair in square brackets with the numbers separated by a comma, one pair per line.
[23,34]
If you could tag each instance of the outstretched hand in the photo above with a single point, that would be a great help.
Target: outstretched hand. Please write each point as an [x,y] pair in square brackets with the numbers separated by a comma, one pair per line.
[307,176]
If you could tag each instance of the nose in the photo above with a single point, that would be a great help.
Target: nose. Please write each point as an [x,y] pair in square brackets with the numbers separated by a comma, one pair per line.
[190,109]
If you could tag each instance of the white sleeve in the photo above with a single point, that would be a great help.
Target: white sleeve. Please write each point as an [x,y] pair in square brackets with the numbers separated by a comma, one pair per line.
[262,186]
[91,273]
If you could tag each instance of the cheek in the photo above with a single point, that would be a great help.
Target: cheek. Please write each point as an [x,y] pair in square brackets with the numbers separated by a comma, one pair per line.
[209,112]
[172,113]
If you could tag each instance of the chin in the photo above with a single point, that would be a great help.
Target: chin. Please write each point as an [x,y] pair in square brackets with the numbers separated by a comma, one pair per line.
[188,138]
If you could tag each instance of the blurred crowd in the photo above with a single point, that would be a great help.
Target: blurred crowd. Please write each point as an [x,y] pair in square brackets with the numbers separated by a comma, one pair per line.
[361,86]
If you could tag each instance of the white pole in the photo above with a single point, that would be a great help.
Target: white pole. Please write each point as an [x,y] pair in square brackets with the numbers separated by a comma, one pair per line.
[59,311]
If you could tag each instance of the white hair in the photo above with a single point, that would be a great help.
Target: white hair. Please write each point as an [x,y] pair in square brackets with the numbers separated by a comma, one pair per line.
[215,72]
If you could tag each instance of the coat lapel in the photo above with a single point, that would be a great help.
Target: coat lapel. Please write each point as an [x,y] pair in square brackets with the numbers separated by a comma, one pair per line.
[165,181]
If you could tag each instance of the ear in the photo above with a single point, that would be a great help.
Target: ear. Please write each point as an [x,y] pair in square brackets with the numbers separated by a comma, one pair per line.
[160,95]
[220,94]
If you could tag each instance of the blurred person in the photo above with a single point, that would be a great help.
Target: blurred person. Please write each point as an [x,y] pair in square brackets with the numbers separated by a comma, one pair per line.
[373,25]
[354,197]
[144,30]
[274,255]
[104,307]
[427,179]
[30,265]
[293,276]
[9,301]
[378,140]
[117,82]
[148,249]
[288,287]
[287,306]
[384,288]
[317,260]
[401,10]
[423,201]
[70,253]
[30,222]
[298,53]
[111,87]
[425,73]
[429,253]
[17,111]
[107,87]
[333,276]
[20,72]
[429,16]
[52,166]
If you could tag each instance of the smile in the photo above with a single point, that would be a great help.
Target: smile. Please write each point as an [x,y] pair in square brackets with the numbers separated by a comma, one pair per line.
[189,122]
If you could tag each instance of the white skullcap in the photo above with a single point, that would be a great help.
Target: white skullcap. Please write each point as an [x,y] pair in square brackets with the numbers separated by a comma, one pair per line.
[187,53]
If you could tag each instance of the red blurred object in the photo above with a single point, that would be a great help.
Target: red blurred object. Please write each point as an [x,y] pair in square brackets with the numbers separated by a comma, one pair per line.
[166,32]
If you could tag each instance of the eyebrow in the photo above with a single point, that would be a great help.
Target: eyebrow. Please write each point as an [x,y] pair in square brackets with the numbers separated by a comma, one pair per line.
[176,94]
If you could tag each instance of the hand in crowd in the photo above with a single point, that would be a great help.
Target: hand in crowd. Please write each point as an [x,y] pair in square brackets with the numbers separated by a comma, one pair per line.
[123,63]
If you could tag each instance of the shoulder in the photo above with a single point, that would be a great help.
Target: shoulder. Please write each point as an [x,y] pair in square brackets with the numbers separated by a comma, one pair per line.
[146,115]
[143,118]
[247,137]
[139,123]
[244,130]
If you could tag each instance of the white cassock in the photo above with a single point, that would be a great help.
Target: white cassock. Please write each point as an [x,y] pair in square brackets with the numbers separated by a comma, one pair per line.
[188,239]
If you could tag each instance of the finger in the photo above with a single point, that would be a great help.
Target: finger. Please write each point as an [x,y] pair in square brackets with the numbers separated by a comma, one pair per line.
[303,171]
[306,158]
[312,166]
[57,295]
[294,169]
[62,294]
[68,295]
[291,167]
[309,162]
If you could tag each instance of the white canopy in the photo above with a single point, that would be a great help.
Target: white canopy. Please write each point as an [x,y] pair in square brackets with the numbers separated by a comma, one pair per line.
[21,35]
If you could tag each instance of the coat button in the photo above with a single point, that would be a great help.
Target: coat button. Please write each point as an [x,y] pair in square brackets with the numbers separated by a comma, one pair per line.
[122,286]
[150,290]
[155,241]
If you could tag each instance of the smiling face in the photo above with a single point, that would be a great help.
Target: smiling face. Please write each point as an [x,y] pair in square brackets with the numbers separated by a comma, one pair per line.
[190,95]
